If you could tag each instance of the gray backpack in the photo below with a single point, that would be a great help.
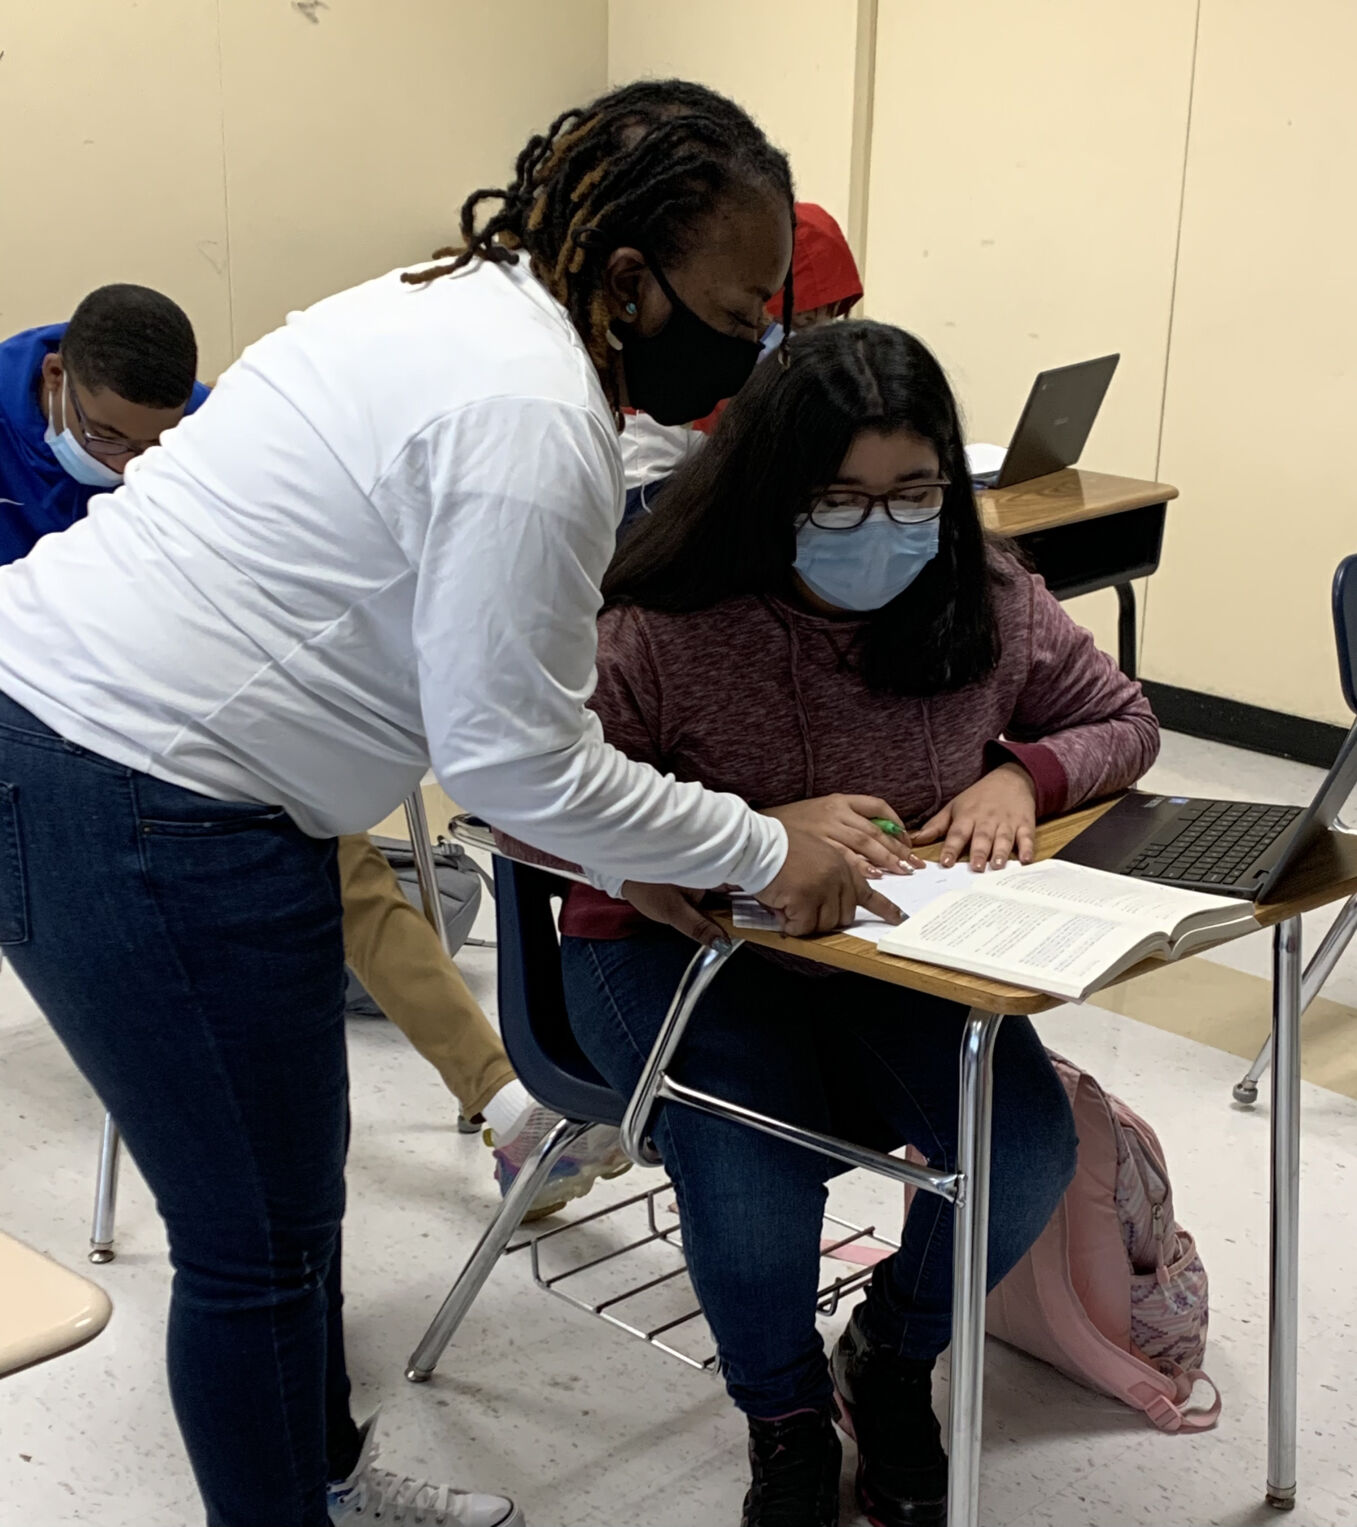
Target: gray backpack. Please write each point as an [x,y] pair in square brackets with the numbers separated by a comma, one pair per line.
[459,889]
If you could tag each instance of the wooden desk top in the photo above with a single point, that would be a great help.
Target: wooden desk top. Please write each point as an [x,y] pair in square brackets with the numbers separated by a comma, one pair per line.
[1064,497]
[1329,874]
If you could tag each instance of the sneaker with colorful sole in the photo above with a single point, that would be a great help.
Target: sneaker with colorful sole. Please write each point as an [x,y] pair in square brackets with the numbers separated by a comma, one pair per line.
[597,1153]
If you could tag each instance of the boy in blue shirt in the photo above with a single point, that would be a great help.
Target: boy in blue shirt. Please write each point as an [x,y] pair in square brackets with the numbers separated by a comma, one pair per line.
[79,400]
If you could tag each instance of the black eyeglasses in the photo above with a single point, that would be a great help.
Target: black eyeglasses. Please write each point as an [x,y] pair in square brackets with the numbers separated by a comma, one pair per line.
[103,445]
[846,509]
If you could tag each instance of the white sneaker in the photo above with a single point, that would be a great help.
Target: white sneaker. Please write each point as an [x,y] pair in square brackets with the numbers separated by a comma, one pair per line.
[373,1494]
[597,1153]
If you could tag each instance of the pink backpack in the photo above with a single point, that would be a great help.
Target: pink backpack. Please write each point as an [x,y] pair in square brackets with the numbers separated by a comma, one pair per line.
[1112,1292]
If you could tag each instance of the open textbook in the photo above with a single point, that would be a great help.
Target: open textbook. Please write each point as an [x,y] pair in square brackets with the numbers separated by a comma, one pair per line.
[1056,927]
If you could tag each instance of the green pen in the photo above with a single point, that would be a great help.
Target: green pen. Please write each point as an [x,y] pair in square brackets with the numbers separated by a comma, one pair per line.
[886,826]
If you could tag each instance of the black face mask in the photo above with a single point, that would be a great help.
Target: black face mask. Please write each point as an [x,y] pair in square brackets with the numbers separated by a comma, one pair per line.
[684,371]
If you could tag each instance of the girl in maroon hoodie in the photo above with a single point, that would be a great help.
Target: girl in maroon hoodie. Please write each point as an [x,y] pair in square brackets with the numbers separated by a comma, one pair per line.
[815,621]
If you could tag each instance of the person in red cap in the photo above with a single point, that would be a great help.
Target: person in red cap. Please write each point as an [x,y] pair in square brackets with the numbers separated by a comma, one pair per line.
[825,285]
[825,279]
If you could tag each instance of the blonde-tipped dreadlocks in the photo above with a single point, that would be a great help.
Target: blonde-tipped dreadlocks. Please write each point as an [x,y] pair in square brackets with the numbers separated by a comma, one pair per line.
[638,167]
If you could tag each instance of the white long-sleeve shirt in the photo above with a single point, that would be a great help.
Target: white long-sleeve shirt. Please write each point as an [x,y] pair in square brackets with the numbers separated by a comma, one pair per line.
[651,450]
[379,542]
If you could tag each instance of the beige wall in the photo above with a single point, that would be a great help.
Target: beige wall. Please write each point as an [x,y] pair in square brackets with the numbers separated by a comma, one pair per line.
[1024,212]
[111,160]
[1026,184]
[1262,391]
[1025,215]
[1006,239]
[351,142]
[248,160]
[1052,180]
[1168,180]
[790,63]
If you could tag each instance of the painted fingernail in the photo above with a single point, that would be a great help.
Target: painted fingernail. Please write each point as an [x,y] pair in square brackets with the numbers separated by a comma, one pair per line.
[947,861]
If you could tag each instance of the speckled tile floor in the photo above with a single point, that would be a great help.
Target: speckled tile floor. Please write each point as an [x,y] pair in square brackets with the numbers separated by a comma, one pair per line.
[591,1429]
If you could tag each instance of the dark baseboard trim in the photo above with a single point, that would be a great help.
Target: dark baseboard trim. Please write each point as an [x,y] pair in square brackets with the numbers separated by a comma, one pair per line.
[1244,726]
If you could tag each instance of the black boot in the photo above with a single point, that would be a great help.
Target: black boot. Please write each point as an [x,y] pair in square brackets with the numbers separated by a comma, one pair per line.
[795,1465]
[902,1468]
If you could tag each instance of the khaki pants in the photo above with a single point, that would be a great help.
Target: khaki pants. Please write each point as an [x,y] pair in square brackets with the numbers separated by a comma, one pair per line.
[397,956]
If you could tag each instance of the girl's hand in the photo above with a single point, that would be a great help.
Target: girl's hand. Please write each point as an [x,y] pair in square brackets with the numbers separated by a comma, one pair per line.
[995,817]
[845,821]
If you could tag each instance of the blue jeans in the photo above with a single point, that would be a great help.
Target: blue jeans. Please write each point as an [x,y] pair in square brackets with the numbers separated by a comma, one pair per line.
[188,953]
[845,1055]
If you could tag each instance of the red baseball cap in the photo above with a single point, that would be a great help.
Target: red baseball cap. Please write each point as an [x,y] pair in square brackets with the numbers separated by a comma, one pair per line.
[824,272]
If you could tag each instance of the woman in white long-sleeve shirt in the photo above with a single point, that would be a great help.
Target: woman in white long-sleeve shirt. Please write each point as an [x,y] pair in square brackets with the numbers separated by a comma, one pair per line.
[379,542]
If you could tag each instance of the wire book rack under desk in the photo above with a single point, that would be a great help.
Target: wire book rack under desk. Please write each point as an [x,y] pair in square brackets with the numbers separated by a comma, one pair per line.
[653,1234]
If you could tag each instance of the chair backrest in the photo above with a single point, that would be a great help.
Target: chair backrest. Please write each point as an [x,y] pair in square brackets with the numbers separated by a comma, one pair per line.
[1345,626]
[532,1012]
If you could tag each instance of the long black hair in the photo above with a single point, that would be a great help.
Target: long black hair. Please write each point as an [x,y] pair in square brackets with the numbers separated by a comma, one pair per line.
[640,166]
[725,524]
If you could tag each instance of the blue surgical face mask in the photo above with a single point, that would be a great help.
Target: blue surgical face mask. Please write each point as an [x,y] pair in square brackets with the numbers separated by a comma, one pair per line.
[866,568]
[72,457]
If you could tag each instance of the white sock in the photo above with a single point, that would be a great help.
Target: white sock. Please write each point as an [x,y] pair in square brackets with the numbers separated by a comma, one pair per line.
[507,1112]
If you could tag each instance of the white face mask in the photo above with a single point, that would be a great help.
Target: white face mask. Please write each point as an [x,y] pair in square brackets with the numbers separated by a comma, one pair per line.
[72,457]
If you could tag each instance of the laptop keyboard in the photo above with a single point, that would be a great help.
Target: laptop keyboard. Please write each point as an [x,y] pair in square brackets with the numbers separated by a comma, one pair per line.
[1214,844]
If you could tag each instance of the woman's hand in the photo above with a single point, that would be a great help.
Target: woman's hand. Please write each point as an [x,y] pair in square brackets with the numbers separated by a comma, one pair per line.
[678,907]
[996,816]
[816,890]
[845,821]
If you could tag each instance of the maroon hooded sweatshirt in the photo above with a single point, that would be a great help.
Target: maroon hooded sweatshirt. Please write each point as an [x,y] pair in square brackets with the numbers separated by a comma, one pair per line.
[760,698]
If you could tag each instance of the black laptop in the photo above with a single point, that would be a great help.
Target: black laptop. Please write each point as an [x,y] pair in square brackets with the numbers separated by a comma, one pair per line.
[1055,422]
[1233,848]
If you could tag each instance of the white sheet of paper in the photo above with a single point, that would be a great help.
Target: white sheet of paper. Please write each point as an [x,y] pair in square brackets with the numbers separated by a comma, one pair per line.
[912,893]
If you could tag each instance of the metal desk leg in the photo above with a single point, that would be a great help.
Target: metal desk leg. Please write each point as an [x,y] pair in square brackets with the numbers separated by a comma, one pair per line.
[1283,1314]
[1245,1090]
[970,1261]
[106,1193]
[418,823]
[1317,972]
[1126,629]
